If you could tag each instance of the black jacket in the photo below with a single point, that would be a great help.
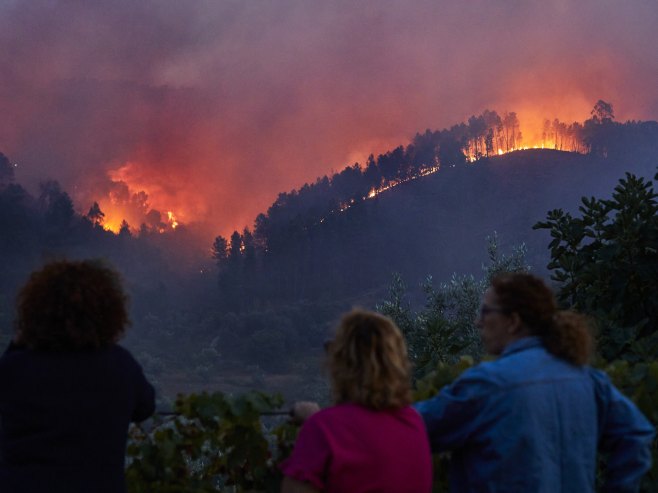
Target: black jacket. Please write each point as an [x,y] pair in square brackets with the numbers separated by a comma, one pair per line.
[64,419]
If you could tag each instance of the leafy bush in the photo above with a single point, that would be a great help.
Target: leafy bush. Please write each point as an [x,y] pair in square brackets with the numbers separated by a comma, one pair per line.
[213,443]
[445,327]
[639,382]
[606,264]
[218,443]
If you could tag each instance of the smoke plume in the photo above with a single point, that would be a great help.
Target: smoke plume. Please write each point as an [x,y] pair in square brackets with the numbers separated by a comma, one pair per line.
[208,109]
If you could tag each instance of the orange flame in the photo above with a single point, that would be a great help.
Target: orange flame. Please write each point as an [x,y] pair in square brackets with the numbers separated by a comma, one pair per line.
[172,220]
[137,202]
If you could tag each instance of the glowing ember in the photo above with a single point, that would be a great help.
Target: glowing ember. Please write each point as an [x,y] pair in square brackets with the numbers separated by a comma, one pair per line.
[172,219]
[113,226]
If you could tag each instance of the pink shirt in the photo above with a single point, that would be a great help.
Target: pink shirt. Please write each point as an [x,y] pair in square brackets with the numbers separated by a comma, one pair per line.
[351,449]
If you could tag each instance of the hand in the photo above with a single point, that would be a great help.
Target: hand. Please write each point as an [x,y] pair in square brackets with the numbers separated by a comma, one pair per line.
[302,410]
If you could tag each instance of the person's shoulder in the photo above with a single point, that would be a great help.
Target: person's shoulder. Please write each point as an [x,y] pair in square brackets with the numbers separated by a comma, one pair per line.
[14,353]
[486,374]
[603,386]
[409,414]
[119,351]
[122,355]
[599,376]
[338,413]
[479,382]
[529,364]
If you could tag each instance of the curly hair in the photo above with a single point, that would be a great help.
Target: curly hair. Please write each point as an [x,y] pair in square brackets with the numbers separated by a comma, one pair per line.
[368,362]
[71,305]
[566,334]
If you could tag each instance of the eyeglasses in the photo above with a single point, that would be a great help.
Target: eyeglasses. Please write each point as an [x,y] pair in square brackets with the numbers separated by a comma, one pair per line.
[485,310]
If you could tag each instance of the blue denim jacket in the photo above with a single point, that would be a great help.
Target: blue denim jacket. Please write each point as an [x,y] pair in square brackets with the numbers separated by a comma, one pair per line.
[531,422]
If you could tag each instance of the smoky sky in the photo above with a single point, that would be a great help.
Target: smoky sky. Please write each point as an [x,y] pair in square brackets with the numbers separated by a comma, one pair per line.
[214,107]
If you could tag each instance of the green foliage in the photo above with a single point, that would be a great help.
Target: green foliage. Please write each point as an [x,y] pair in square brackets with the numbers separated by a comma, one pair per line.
[444,374]
[640,383]
[218,443]
[444,329]
[427,387]
[213,443]
[606,262]
[398,309]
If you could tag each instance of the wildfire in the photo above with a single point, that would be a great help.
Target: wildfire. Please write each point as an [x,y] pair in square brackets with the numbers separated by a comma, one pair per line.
[423,172]
[137,193]
[133,204]
[111,225]
[172,220]
[470,158]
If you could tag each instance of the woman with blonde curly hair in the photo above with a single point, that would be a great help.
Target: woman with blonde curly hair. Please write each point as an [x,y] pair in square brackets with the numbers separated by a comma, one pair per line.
[535,418]
[68,391]
[371,439]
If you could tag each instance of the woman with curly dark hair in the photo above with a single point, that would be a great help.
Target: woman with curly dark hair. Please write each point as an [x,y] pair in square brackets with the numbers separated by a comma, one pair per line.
[536,418]
[67,390]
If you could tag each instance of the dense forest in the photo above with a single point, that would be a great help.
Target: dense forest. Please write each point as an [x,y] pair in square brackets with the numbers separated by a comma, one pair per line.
[275,290]
[340,236]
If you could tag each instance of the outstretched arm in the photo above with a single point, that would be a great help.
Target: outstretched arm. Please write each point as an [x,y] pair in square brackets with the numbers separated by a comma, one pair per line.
[291,485]
[625,437]
[144,394]
[452,415]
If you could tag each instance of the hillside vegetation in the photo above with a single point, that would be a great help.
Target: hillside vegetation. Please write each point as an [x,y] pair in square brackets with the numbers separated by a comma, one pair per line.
[419,209]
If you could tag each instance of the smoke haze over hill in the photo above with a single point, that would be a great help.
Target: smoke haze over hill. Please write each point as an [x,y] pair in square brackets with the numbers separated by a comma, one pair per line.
[212,108]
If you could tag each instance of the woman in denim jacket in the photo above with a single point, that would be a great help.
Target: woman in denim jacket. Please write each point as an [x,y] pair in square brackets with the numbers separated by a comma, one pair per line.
[535,419]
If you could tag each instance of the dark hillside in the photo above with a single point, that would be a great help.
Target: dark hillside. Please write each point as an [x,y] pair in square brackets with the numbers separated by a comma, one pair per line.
[426,207]
[417,210]
[434,224]
[446,217]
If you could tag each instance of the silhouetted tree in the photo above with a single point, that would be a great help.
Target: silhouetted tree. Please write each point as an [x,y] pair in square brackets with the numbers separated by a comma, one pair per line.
[450,152]
[598,131]
[493,137]
[6,171]
[235,248]
[477,129]
[372,173]
[391,164]
[124,229]
[18,220]
[220,251]
[602,112]
[605,262]
[248,247]
[96,215]
[422,153]
[510,126]
[348,184]
[57,207]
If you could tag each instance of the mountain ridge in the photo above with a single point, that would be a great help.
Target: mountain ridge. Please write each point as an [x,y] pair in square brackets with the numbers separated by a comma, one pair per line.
[435,224]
